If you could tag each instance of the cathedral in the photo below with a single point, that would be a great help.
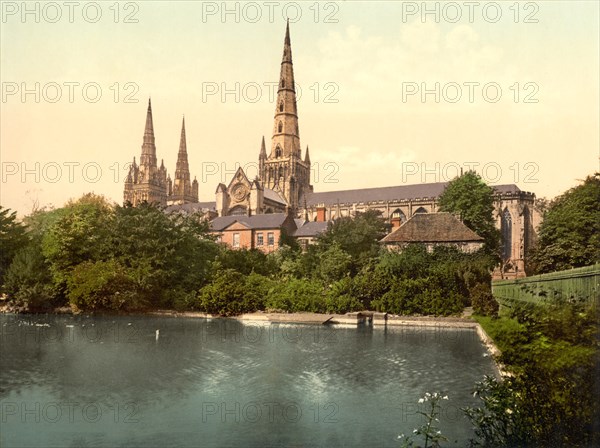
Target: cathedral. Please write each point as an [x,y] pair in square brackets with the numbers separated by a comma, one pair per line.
[283,187]
[147,182]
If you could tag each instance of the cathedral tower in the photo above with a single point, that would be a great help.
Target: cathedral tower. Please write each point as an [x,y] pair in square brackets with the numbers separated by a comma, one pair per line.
[283,169]
[147,182]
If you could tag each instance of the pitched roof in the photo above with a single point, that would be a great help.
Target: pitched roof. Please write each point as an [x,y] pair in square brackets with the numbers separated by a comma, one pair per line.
[311,229]
[397,193]
[272,195]
[269,221]
[432,228]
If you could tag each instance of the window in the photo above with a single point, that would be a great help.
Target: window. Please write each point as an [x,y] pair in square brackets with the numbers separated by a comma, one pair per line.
[506,230]
[281,107]
[278,151]
[236,240]
[280,127]
[271,239]
[420,210]
[259,239]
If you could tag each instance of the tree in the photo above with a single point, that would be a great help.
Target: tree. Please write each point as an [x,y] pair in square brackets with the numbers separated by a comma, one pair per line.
[80,234]
[469,197]
[569,235]
[12,239]
[358,236]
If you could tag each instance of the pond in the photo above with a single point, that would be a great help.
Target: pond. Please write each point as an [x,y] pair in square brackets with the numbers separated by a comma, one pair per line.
[81,381]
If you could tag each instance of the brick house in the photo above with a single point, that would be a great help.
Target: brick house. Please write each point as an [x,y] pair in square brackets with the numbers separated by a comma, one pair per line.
[261,232]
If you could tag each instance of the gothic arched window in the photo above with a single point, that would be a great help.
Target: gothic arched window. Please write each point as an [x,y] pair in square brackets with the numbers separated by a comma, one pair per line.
[526,230]
[280,171]
[506,230]
[280,127]
[420,210]
[281,107]
[278,151]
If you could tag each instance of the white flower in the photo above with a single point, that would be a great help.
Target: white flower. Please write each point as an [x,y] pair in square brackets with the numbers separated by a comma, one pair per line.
[509,411]
[427,394]
[421,400]
[445,397]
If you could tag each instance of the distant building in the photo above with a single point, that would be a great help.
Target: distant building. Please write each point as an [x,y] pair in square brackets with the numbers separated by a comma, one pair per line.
[434,229]
[147,182]
[262,232]
[308,232]
[283,187]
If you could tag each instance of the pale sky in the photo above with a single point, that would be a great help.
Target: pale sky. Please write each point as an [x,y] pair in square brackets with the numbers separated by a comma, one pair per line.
[517,90]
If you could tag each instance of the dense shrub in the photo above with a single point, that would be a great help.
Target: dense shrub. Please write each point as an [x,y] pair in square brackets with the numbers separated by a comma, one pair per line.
[482,300]
[104,285]
[224,295]
[296,295]
[340,298]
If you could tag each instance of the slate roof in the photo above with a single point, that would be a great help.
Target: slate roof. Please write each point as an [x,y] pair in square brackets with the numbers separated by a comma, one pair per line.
[397,193]
[272,195]
[311,229]
[432,228]
[192,207]
[268,221]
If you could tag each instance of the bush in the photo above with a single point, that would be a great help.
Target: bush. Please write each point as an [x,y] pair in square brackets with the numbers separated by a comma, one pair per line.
[224,295]
[297,295]
[103,285]
[482,300]
[340,298]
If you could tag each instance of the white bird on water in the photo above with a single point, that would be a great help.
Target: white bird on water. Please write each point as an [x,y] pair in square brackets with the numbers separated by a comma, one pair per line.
[157,334]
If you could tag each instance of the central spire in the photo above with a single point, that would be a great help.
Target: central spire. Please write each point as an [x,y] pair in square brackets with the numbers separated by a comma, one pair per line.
[286,138]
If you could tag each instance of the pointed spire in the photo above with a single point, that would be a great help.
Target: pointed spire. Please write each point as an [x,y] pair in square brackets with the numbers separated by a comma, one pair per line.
[263,149]
[307,156]
[148,159]
[287,45]
[182,140]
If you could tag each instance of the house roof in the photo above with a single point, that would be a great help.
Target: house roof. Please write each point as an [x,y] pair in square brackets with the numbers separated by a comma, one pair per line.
[311,229]
[397,193]
[432,228]
[269,221]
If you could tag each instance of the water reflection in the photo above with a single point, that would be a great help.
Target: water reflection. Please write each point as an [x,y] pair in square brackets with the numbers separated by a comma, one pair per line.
[108,381]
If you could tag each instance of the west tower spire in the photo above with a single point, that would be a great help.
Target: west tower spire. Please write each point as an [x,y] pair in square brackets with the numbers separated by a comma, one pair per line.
[146,182]
[183,189]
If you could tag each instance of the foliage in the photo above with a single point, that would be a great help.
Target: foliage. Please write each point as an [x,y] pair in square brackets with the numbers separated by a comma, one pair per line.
[340,298]
[246,261]
[358,236]
[79,235]
[431,434]
[473,200]
[29,280]
[552,352]
[569,235]
[103,285]
[334,263]
[224,295]
[483,301]
[297,295]
[12,239]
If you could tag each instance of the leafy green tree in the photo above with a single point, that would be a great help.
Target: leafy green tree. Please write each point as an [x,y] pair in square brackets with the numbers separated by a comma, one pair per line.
[166,253]
[334,264]
[29,280]
[569,235]
[12,238]
[358,236]
[246,261]
[469,197]
[80,234]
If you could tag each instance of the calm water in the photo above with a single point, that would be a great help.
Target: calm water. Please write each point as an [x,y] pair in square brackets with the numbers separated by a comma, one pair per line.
[98,381]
